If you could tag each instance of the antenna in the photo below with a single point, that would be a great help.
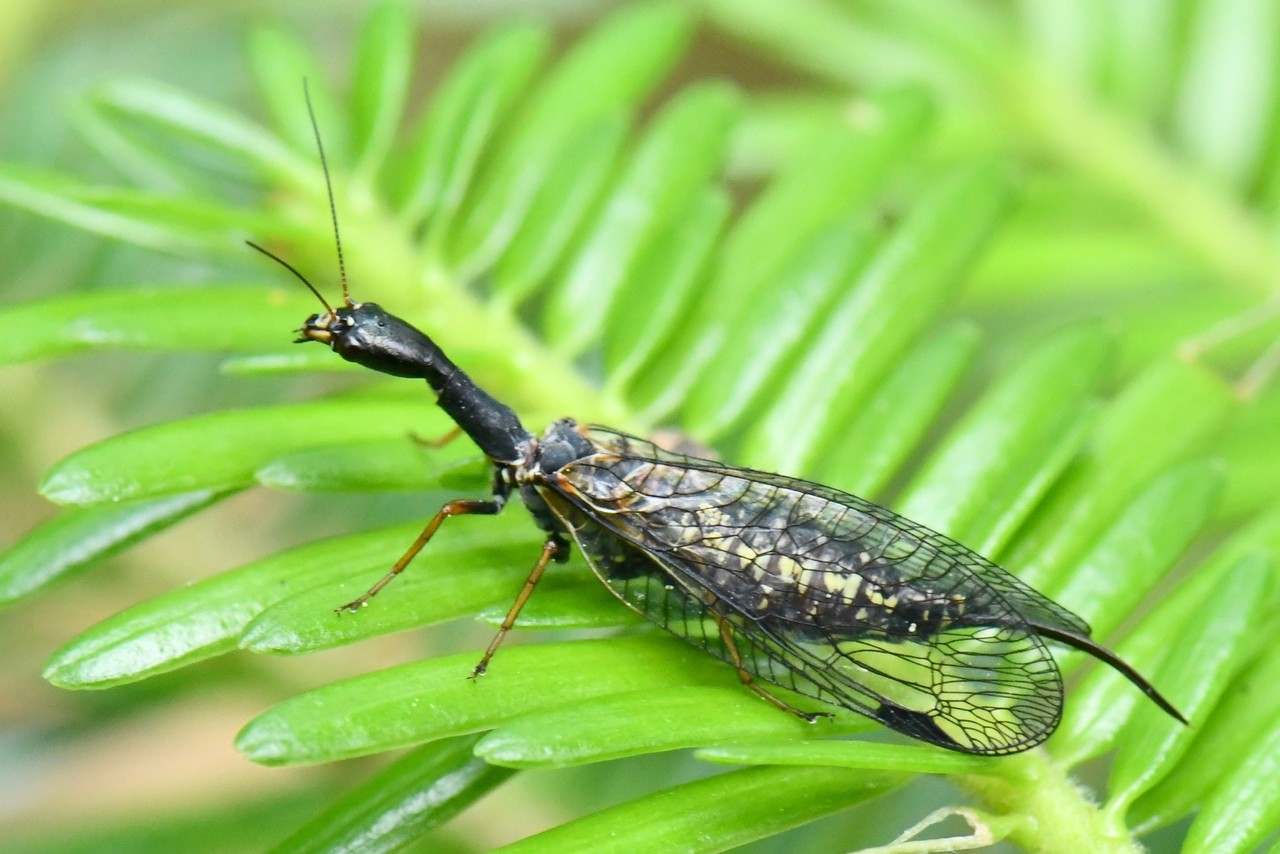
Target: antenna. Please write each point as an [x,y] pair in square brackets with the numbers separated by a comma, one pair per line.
[328,185]
[283,263]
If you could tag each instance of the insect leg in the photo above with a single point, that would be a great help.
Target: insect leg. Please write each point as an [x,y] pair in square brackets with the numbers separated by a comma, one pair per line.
[438,442]
[553,548]
[726,635]
[460,507]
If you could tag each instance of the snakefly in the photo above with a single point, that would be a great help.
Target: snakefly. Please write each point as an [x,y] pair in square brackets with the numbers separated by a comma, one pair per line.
[794,584]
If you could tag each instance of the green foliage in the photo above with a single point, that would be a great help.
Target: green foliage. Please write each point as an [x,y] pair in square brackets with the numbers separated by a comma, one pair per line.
[778,275]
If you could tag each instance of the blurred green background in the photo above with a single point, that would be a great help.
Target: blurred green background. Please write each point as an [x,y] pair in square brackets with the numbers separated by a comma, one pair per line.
[1143,140]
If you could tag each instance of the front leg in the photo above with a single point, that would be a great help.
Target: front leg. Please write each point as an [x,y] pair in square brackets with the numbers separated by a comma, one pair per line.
[458,507]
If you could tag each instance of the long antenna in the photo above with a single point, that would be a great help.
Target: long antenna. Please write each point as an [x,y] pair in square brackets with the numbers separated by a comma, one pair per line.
[283,263]
[328,185]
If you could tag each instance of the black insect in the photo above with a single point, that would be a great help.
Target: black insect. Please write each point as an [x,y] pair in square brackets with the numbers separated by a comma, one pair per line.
[793,583]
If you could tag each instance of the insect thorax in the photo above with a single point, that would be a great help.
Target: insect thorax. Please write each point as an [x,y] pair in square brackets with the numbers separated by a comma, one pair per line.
[558,446]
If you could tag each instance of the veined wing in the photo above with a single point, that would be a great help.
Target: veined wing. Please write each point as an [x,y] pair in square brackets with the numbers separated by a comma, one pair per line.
[825,593]
[897,533]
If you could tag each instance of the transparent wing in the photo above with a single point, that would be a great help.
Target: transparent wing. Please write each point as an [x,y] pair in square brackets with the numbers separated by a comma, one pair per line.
[825,594]
[1033,607]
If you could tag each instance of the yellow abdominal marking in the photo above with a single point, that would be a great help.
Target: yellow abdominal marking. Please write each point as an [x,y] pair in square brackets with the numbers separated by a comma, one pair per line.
[846,585]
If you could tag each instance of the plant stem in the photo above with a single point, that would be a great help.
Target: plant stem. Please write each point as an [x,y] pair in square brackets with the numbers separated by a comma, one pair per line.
[1059,816]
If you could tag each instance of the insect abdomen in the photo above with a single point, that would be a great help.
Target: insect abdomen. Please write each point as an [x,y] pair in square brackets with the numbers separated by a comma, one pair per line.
[777,555]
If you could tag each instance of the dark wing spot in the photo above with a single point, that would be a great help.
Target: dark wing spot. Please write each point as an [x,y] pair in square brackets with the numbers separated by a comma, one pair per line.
[917,725]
